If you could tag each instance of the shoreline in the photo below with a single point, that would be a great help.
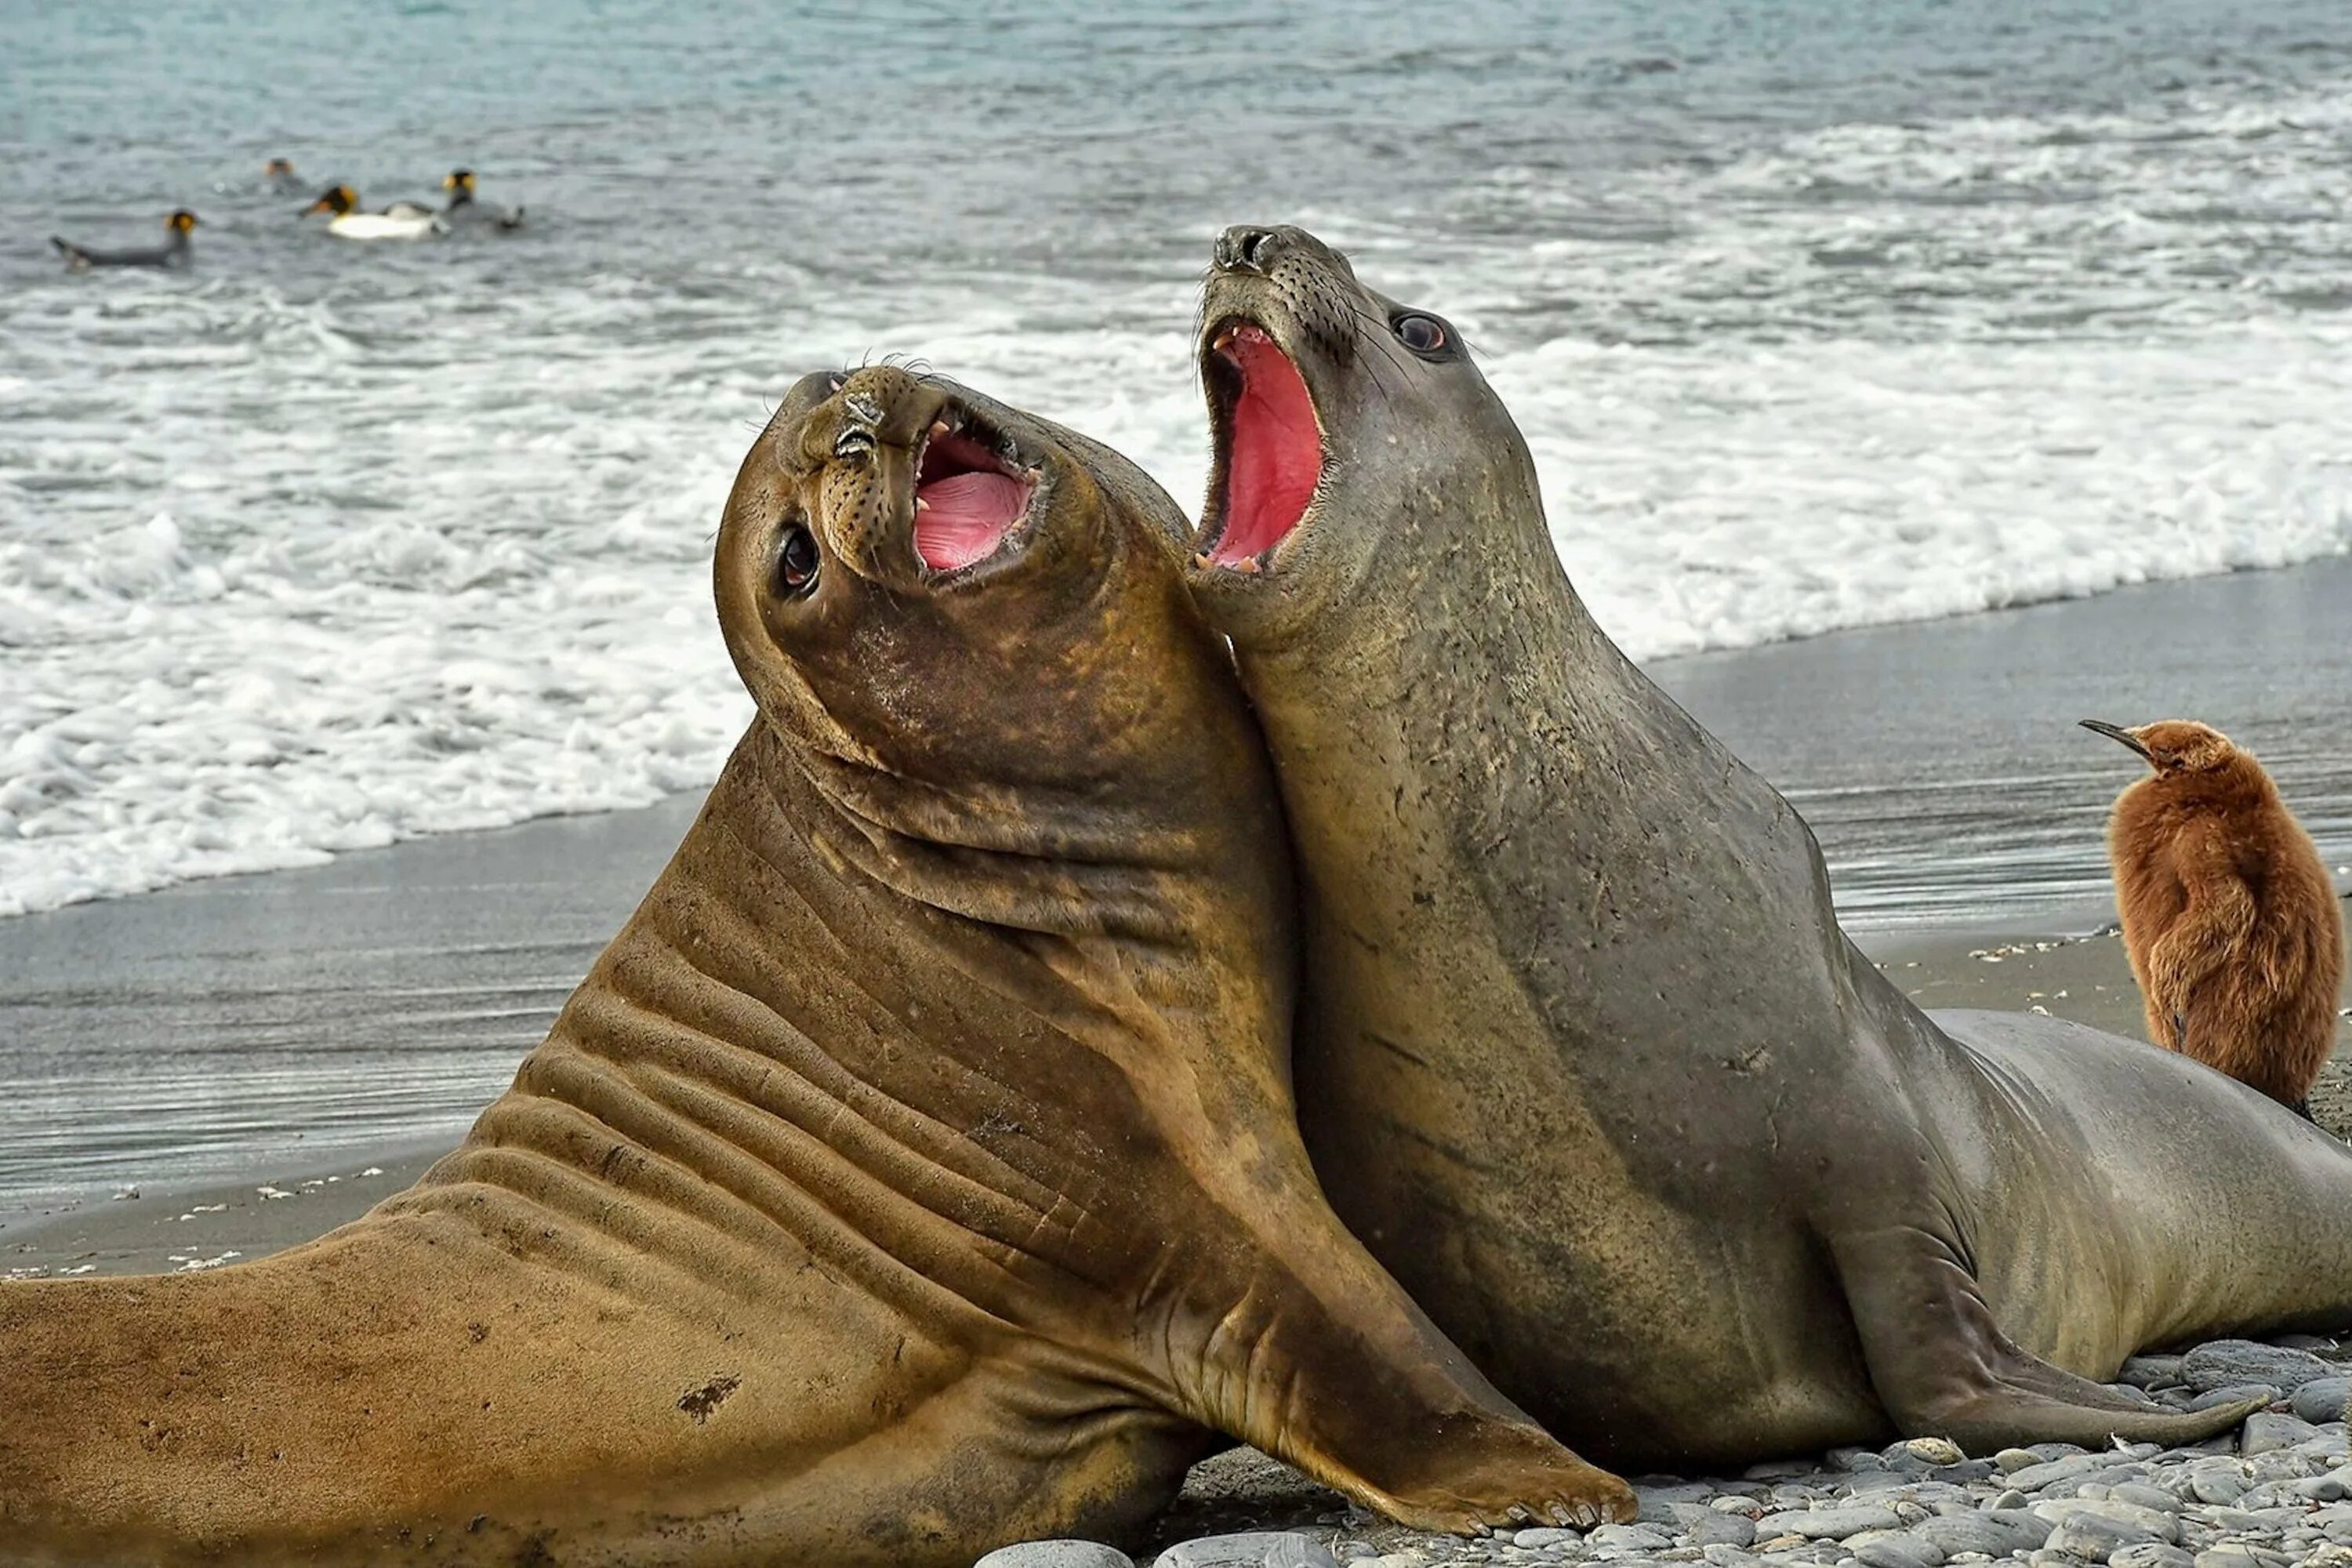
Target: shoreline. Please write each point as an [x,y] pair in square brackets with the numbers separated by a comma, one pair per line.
[2072,969]
[306,1021]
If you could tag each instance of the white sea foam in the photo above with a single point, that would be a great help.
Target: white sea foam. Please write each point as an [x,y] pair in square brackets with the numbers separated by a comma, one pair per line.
[291,565]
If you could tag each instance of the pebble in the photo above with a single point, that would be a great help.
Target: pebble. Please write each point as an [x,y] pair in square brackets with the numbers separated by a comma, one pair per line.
[1537,1539]
[1252,1549]
[1828,1523]
[2154,1522]
[1620,1538]
[2094,1537]
[2238,1393]
[2275,1493]
[1899,1551]
[2151,1371]
[2151,1555]
[2322,1399]
[2034,1477]
[1721,1530]
[2267,1431]
[2224,1364]
[1057,1554]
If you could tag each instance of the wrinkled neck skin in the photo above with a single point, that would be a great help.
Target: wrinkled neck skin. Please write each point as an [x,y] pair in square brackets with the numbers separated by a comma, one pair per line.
[920,977]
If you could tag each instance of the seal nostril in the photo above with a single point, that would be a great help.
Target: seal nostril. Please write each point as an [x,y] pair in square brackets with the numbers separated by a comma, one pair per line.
[1246,249]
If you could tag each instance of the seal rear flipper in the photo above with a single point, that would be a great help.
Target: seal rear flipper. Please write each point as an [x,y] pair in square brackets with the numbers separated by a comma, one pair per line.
[1943,1368]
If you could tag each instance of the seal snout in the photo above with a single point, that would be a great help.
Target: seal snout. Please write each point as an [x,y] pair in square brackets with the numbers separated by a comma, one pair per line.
[915,478]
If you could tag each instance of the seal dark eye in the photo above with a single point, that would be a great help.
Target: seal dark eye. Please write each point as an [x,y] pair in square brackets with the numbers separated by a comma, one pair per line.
[1422,334]
[797,560]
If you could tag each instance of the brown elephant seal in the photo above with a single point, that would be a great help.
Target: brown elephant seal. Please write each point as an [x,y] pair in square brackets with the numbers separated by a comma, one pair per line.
[1583,1055]
[914,1172]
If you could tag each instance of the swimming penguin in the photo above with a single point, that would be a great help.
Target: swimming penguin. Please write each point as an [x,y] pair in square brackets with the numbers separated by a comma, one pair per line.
[401,220]
[282,179]
[174,252]
[2229,917]
[463,210]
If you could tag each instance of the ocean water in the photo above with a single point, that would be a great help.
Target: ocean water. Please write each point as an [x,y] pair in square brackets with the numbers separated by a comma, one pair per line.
[1816,315]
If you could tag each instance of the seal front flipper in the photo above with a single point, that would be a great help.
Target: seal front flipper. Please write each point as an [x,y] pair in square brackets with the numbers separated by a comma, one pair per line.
[1943,1368]
[1326,1363]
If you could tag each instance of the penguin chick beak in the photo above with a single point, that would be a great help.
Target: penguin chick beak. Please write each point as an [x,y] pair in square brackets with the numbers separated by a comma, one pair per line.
[2117,732]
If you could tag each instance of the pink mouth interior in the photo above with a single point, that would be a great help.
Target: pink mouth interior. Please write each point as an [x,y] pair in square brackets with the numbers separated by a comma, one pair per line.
[1275,454]
[968,503]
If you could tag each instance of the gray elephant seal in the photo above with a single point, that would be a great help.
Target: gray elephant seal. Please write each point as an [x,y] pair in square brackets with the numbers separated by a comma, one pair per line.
[915,1171]
[1583,1055]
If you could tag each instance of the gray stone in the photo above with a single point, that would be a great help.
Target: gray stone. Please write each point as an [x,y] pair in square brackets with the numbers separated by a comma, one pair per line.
[2266,1432]
[2154,1521]
[2012,1498]
[2151,1371]
[1729,1557]
[2322,1399]
[1056,1555]
[1537,1539]
[1252,1549]
[2238,1393]
[2009,1460]
[2239,1554]
[1718,1529]
[1967,1470]
[2219,1484]
[2095,1537]
[2146,1496]
[2034,1477]
[1828,1523]
[1895,1549]
[2227,1361]
[1777,1469]
[1658,1498]
[1994,1533]
[1618,1537]
[2150,1554]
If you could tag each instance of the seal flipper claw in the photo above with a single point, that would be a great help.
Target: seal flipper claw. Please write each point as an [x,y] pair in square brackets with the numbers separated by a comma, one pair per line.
[1943,1368]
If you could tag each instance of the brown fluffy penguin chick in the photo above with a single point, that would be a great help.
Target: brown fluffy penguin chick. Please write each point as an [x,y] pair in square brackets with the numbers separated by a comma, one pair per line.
[2232,923]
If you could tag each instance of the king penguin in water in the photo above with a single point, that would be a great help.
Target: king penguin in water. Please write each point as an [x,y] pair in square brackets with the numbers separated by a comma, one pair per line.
[464,211]
[174,252]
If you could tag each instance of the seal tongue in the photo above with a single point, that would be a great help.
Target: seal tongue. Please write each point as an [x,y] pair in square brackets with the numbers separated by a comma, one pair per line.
[967,503]
[1276,452]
